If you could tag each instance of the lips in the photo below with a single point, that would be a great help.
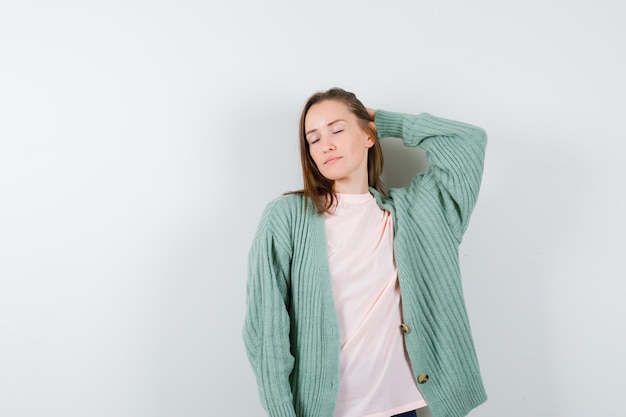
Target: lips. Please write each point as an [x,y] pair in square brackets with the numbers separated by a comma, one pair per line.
[332,160]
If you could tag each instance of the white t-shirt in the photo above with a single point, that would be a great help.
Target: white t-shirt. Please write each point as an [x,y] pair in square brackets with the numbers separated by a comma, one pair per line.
[375,375]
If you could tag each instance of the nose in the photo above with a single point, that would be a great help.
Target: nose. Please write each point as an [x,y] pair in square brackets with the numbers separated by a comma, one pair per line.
[328,144]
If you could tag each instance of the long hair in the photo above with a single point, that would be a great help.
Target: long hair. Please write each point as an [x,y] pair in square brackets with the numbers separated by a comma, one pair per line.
[317,188]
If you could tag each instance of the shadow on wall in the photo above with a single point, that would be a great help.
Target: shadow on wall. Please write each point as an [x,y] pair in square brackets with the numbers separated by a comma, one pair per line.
[401,163]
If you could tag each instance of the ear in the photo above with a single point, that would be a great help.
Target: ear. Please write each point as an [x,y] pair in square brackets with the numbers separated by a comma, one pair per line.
[371,140]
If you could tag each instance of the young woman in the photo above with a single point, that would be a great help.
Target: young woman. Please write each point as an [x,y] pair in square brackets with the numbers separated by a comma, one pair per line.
[354,299]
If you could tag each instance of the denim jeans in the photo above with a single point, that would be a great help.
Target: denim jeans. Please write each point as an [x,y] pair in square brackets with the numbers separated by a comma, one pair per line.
[407,414]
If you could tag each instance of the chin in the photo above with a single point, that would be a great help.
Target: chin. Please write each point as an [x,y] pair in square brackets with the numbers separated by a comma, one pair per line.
[333,177]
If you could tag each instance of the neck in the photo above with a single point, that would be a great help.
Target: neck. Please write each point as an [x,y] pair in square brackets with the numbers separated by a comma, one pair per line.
[350,188]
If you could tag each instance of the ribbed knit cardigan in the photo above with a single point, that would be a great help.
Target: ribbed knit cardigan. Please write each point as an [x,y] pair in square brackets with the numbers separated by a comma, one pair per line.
[291,329]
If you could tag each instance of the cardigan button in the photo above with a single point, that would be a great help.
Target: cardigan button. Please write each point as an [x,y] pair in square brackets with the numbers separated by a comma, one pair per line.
[405,329]
[422,378]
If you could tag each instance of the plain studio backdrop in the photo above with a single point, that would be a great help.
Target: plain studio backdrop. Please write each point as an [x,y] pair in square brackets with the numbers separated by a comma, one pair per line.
[140,141]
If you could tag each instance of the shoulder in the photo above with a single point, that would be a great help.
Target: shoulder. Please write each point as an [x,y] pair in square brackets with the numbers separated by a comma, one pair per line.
[283,211]
[283,205]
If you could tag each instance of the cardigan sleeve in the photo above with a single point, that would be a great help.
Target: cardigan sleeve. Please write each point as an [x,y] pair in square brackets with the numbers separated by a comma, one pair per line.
[455,153]
[266,326]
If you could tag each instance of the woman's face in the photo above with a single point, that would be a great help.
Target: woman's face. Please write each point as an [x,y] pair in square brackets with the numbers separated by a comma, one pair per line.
[338,145]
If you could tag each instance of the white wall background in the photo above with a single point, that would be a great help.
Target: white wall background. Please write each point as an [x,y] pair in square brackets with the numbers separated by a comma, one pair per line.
[140,140]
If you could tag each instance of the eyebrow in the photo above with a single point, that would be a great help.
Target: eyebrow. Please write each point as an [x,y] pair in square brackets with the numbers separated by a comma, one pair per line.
[329,124]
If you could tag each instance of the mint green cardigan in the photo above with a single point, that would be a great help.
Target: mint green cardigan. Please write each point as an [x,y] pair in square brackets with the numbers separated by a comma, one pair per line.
[291,329]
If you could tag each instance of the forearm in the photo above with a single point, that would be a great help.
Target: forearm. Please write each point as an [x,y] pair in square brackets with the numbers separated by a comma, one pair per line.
[414,129]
